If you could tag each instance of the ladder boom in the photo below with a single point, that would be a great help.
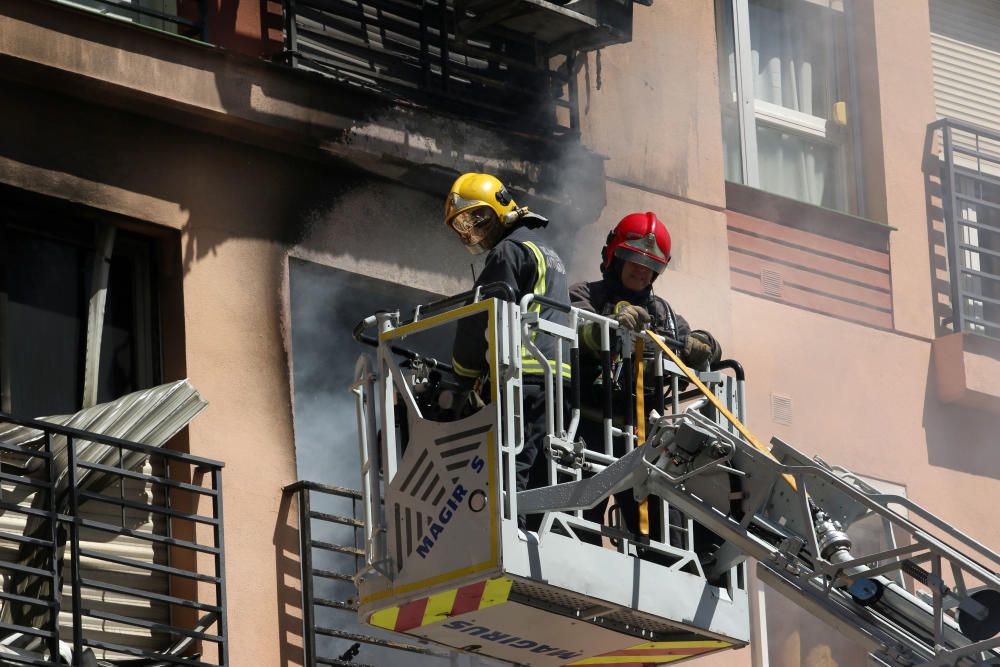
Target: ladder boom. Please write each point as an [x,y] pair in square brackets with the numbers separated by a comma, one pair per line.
[793,516]
[442,520]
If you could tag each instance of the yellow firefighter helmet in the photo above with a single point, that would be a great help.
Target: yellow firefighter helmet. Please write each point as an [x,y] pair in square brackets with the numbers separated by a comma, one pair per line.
[478,208]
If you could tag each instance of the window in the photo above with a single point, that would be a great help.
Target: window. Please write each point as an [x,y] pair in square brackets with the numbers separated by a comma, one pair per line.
[784,79]
[51,350]
[79,326]
[175,16]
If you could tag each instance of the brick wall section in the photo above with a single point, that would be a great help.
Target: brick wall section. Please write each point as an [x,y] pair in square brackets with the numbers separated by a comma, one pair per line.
[810,271]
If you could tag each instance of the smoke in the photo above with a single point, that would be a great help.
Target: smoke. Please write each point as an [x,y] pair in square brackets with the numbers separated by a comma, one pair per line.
[325,305]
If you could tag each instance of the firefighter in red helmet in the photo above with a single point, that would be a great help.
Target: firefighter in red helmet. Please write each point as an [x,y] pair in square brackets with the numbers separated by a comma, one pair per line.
[636,252]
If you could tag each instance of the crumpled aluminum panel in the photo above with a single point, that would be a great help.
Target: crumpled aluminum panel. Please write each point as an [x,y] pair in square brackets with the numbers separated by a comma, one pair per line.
[149,416]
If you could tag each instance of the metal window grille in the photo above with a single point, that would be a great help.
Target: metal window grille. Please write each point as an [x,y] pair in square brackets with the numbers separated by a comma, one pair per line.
[511,63]
[54,595]
[331,554]
[970,185]
[410,49]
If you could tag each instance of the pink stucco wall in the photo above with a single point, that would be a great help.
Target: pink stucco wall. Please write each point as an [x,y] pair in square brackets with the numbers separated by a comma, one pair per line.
[861,397]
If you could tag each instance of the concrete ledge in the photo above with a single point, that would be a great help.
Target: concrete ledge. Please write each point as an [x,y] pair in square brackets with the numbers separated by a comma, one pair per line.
[967,370]
[211,90]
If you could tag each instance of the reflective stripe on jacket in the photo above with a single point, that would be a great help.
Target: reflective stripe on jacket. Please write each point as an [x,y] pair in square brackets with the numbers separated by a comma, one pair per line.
[530,266]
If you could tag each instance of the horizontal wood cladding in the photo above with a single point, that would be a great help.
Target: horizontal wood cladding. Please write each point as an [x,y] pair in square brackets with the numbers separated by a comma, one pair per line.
[809,270]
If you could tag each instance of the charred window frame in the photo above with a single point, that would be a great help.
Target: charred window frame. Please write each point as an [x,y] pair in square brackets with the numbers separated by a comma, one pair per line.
[129,358]
[788,124]
[78,311]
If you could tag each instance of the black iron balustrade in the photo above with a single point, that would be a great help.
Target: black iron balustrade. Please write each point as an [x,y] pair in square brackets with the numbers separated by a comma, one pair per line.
[512,63]
[328,564]
[56,566]
[409,50]
[970,180]
[181,17]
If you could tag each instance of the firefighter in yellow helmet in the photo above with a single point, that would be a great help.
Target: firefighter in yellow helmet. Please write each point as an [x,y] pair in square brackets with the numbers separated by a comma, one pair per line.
[480,210]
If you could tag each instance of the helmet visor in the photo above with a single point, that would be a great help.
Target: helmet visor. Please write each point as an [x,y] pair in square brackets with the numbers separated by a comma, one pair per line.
[457,202]
[654,263]
[475,225]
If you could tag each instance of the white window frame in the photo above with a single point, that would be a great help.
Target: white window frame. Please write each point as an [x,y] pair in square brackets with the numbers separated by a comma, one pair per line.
[750,110]
[792,121]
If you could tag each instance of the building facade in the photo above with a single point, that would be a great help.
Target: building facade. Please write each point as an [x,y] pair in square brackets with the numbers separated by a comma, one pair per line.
[260,175]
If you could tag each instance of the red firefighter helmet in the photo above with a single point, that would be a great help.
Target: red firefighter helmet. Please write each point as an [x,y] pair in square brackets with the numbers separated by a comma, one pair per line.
[641,238]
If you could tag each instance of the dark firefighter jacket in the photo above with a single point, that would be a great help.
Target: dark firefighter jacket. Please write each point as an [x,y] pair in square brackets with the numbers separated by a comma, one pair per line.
[526,263]
[599,297]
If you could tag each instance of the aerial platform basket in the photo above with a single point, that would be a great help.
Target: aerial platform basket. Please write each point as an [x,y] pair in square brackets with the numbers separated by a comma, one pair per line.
[445,559]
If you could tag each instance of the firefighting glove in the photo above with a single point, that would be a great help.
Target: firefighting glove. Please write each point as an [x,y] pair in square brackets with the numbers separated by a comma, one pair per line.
[460,404]
[633,318]
[699,351]
[471,404]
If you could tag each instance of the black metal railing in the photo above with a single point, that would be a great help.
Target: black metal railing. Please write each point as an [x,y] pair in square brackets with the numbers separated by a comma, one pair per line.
[970,184]
[103,546]
[181,17]
[331,538]
[513,63]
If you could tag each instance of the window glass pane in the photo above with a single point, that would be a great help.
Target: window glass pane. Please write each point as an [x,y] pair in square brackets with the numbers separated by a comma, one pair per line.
[792,44]
[796,63]
[45,283]
[800,168]
[129,341]
[732,152]
[121,9]
[117,352]
[797,639]
[46,277]
[727,94]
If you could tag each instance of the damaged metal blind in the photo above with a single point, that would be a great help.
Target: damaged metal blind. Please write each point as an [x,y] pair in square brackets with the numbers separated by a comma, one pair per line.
[120,547]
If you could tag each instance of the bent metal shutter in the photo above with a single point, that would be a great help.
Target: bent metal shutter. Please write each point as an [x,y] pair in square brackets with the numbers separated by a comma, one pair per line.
[150,416]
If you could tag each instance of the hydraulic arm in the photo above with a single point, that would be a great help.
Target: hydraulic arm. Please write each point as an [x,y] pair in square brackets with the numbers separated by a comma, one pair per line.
[926,595]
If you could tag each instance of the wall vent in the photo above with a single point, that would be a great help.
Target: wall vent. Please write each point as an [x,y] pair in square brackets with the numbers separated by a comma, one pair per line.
[771,282]
[781,408]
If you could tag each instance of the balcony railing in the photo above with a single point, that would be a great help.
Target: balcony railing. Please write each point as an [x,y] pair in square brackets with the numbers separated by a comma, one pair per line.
[331,553]
[107,549]
[970,180]
[181,17]
[512,63]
